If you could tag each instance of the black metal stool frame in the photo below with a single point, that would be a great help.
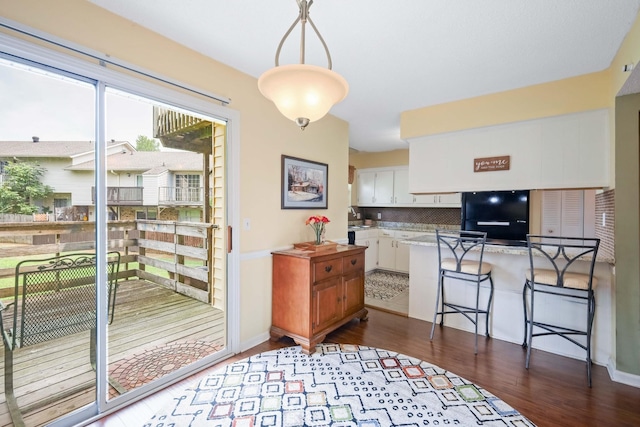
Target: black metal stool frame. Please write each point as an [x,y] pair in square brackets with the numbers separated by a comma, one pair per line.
[561,255]
[459,245]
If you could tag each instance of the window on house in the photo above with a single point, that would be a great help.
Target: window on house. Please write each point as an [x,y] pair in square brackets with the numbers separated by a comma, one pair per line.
[189,215]
[147,214]
[187,188]
[60,203]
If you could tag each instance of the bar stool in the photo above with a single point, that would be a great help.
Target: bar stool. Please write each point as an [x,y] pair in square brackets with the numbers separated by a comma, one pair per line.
[563,268]
[454,264]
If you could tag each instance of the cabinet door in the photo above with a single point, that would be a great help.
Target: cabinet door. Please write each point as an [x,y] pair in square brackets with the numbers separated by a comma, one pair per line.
[327,303]
[425,199]
[384,188]
[451,200]
[386,252]
[402,251]
[402,257]
[551,213]
[371,254]
[366,188]
[401,194]
[353,293]
[563,213]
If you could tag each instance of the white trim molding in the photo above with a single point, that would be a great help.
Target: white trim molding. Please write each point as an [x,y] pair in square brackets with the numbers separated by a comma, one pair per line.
[622,377]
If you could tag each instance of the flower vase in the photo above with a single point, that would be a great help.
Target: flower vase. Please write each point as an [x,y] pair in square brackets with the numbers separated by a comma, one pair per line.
[319,235]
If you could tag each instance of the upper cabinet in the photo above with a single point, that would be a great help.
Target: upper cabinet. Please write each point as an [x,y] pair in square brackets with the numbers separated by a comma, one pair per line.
[569,151]
[375,187]
[390,187]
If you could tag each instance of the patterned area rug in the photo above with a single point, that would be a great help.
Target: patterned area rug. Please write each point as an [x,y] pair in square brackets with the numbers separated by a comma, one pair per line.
[385,286]
[339,385]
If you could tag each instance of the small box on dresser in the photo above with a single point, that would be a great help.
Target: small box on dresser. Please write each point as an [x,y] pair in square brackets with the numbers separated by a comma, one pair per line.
[315,293]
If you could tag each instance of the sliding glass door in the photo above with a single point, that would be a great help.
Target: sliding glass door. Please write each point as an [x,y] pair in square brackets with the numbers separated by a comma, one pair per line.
[48,288]
[165,318]
[134,180]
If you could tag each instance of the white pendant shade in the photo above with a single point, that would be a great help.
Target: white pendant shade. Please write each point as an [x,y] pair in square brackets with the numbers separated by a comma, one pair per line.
[302,91]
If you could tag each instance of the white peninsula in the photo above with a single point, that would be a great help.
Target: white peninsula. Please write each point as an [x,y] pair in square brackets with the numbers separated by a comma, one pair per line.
[506,321]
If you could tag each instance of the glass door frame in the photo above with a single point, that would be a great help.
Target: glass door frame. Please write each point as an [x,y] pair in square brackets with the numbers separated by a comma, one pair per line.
[54,60]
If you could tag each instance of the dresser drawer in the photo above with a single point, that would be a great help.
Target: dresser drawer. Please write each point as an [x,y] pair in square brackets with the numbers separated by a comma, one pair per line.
[325,269]
[353,263]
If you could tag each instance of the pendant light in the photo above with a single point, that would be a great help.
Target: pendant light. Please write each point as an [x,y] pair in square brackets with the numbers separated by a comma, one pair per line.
[301,92]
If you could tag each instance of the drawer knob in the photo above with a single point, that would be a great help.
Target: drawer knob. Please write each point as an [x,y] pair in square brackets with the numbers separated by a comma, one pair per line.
[353,261]
[328,268]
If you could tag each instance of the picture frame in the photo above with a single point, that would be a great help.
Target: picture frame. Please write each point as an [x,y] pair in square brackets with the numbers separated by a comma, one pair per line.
[304,184]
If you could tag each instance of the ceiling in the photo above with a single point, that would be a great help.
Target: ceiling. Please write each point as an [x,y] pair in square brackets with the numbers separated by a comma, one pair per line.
[399,55]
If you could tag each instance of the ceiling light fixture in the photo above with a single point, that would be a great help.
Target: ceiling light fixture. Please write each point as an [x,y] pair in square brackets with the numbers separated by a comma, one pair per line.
[303,93]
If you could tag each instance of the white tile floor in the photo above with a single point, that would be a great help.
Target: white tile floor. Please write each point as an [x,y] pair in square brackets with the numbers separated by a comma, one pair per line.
[398,304]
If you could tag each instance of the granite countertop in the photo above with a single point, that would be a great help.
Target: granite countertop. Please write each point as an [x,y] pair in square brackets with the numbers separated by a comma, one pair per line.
[402,226]
[430,240]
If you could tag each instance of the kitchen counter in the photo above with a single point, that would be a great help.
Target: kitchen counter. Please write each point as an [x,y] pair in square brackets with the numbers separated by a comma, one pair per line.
[507,314]
[430,240]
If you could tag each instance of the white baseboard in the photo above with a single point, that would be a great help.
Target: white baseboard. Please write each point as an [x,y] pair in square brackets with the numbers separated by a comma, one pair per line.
[259,339]
[622,377]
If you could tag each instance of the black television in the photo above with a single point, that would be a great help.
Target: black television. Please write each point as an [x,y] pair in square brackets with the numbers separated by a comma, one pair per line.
[503,215]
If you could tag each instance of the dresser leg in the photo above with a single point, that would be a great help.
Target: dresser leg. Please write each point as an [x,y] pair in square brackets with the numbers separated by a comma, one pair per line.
[275,335]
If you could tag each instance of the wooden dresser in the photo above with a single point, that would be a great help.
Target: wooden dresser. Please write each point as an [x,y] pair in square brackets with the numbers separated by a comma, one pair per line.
[315,293]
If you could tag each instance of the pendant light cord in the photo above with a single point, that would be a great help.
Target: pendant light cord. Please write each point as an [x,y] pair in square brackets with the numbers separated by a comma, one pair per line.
[303,18]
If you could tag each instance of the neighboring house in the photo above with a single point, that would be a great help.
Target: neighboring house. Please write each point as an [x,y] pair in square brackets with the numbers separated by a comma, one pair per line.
[141,185]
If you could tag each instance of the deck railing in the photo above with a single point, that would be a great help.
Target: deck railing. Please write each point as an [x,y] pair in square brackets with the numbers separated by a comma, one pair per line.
[121,195]
[181,196]
[181,264]
[170,122]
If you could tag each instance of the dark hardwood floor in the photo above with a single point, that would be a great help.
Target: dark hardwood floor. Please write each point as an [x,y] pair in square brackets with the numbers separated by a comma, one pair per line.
[553,392]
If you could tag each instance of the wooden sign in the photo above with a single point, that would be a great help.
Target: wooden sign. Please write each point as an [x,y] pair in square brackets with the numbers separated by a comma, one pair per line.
[492,164]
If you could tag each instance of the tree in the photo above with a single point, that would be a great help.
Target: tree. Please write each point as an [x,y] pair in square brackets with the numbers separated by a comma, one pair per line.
[144,143]
[21,187]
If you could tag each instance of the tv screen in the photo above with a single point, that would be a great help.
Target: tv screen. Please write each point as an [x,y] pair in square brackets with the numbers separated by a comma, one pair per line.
[503,215]
[496,205]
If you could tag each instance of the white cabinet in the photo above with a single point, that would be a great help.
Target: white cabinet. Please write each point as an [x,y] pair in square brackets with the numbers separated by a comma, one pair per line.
[568,151]
[390,187]
[392,255]
[375,188]
[568,213]
[386,250]
[450,200]
[368,238]
[401,195]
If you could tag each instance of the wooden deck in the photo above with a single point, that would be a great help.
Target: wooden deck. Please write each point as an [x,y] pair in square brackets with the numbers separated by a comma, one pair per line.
[147,317]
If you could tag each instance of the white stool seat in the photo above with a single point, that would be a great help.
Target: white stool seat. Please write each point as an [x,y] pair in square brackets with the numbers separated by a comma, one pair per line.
[570,280]
[466,266]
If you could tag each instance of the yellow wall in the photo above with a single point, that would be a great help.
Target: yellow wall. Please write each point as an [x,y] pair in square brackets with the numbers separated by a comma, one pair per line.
[264,134]
[363,160]
[582,93]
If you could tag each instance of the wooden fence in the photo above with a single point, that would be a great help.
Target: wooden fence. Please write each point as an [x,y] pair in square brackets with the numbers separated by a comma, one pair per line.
[190,242]
[137,243]
[39,217]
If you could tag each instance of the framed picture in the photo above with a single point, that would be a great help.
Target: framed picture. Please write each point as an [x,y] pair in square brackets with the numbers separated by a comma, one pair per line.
[304,184]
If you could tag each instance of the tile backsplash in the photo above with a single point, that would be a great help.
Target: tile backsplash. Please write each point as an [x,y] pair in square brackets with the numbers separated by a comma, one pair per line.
[605,206]
[448,216]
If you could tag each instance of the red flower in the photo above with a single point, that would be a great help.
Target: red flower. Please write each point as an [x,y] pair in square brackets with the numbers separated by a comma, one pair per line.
[317,222]
[317,219]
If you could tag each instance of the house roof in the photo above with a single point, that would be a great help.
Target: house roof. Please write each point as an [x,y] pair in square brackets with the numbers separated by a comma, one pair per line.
[52,149]
[139,161]
[126,160]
